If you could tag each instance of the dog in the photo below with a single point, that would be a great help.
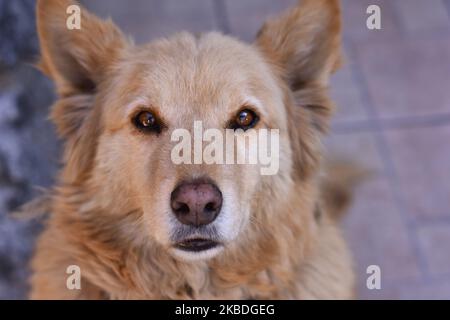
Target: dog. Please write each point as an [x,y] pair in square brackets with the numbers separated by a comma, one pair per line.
[139,226]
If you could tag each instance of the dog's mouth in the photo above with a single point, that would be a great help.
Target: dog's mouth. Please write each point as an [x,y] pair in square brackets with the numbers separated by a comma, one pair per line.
[196,244]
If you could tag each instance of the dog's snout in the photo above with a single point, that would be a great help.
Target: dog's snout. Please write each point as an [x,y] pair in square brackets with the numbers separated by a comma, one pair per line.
[196,203]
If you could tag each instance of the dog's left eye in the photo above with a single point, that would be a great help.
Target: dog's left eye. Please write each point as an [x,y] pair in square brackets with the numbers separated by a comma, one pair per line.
[244,119]
[147,122]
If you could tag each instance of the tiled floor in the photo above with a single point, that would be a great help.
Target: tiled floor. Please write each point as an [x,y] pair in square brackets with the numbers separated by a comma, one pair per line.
[393,96]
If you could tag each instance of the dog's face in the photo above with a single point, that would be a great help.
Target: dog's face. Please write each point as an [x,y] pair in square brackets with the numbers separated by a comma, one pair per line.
[167,86]
[123,108]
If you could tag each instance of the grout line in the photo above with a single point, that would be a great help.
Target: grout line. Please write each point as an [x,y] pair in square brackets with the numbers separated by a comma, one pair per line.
[416,121]
[397,123]
[388,164]
[221,16]
[348,127]
[433,221]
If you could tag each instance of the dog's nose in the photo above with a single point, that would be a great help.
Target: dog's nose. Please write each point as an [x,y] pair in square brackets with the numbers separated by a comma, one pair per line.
[196,203]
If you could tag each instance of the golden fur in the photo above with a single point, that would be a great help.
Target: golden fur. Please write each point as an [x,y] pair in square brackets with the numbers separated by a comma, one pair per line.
[109,204]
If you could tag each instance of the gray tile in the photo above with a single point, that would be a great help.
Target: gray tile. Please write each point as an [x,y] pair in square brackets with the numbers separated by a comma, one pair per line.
[355,147]
[346,93]
[434,242]
[378,235]
[407,290]
[374,226]
[439,289]
[422,162]
[407,77]
[419,15]
[387,291]
[247,17]
[148,19]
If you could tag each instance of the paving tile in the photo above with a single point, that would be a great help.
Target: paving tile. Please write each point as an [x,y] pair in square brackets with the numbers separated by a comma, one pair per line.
[191,15]
[148,19]
[439,290]
[422,162]
[356,147]
[114,8]
[387,291]
[247,17]
[407,77]
[377,235]
[345,92]
[434,241]
[412,290]
[419,15]
[374,227]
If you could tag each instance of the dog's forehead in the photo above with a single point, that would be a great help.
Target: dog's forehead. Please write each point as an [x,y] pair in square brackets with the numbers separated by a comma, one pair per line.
[206,70]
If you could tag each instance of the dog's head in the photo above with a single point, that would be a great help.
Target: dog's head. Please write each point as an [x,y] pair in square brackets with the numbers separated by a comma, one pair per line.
[137,121]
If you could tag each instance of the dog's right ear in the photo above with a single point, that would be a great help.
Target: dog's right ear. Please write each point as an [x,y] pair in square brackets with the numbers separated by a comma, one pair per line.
[76,59]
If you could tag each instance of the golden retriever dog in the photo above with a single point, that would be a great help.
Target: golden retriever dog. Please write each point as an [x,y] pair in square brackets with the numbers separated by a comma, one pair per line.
[140,226]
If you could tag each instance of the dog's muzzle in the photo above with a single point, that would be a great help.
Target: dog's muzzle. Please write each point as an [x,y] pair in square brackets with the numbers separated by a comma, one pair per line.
[196,204]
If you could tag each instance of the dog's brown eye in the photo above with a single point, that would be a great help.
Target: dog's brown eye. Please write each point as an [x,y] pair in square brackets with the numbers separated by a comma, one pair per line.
[245,119]
[146,121]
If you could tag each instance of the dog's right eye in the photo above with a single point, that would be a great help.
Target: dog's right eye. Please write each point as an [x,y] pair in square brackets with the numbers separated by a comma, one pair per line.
[146,121]
[244,119]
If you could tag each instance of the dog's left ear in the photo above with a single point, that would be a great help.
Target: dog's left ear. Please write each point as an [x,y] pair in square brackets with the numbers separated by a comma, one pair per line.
[303,45]
[76,59]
